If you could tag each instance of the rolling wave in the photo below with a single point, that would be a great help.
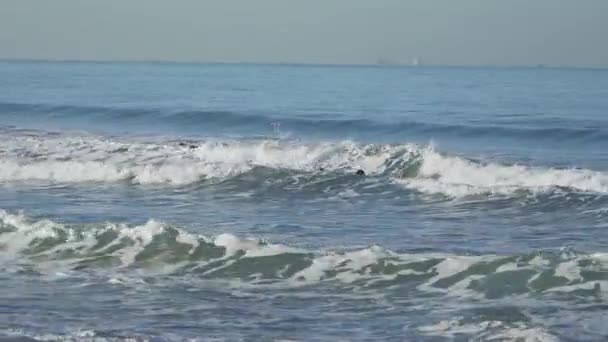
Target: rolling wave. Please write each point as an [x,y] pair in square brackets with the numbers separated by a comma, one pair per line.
[77,159]
[47,247]
[196,120]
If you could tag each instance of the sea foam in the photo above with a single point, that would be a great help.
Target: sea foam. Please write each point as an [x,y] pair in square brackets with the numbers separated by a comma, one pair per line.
[155,247]
[419,168]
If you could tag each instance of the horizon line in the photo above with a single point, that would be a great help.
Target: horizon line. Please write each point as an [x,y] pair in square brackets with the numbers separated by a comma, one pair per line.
[310,64]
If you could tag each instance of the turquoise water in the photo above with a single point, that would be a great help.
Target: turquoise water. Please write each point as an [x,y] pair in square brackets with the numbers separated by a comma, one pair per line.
[163,202]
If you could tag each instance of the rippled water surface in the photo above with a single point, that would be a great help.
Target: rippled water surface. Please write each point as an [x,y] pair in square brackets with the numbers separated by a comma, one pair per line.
[168,202]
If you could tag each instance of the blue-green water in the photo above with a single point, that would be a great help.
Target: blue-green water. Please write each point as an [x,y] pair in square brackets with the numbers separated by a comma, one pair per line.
[221,202]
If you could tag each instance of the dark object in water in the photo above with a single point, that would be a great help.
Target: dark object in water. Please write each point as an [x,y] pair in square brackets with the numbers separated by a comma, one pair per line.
[183,144]
[121,150]
[360,172]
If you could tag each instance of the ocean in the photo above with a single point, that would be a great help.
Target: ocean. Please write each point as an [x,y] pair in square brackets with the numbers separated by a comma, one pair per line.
[225,202]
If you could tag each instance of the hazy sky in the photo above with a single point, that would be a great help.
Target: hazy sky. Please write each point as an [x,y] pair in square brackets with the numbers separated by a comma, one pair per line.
[470,32]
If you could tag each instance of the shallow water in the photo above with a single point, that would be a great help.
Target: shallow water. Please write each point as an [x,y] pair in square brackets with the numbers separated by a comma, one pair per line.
[173,201]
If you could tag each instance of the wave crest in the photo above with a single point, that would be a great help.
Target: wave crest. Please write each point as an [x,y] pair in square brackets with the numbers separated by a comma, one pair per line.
[87,159]
[152,248]
[457,177]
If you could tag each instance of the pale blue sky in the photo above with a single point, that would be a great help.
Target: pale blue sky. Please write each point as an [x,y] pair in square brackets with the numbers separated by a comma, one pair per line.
[457,32]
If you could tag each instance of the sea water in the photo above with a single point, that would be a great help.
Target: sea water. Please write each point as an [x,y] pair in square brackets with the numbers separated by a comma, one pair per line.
[221,202]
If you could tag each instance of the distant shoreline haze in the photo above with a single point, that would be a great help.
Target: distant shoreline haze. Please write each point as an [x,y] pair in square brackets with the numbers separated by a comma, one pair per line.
[551,33]
[303,64]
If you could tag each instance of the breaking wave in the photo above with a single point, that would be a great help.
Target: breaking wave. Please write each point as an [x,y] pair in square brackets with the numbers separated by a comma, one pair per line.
[488,331]
[155,248]
[456,176]
[73,159]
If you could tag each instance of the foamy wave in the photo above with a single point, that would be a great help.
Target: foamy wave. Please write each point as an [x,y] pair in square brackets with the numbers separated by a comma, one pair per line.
[457,177]
[80,336]
[155,247]
[488,331]
[78,159]
[66,159]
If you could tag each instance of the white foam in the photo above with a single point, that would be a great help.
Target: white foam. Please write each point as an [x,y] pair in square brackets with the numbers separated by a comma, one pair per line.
[351,263]
[79,335]
[141,237]
[25,231]
[449,328]
[488,331]
[522,333]
[348,267]
[450,266]
[62,171]
[69,159]
[569,270]
[453,265]
[457,177]
[508,267]
[85,159]
[12,243]
[188,239]
[348,193]
[600,257]
[539,261]
[252,247]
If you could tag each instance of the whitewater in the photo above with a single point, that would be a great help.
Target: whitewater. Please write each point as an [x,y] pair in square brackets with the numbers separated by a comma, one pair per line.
[84,159]
[204,202]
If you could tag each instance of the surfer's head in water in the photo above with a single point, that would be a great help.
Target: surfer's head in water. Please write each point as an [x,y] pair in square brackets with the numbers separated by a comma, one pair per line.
[360,172]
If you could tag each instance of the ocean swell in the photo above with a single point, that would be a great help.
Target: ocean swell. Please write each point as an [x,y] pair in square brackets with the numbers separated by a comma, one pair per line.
[210,120]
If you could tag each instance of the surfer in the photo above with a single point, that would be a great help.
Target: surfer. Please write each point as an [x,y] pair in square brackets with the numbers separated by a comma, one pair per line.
[360,172]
